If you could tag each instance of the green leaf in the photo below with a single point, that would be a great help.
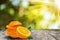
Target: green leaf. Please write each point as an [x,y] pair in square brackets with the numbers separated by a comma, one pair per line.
[30,28]
[30,37]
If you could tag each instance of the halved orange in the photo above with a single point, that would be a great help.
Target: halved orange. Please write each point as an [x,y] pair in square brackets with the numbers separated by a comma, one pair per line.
[13,24]
[12,33]
[23,32]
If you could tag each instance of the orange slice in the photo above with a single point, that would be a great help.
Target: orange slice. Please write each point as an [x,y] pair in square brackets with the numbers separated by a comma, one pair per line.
[23,32]
[13,24]
[12,33]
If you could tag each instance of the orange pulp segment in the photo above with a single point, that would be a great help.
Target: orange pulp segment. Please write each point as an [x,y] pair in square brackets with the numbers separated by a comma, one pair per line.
[23,32]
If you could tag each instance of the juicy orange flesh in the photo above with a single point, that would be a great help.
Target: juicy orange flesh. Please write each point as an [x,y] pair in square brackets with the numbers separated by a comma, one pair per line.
[23,31]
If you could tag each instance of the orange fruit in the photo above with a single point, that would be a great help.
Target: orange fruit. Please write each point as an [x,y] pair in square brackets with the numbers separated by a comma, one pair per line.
[13,24]
[23,32]
[12,33]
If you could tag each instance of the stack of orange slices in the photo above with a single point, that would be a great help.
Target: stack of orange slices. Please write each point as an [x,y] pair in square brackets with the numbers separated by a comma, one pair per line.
[16,30]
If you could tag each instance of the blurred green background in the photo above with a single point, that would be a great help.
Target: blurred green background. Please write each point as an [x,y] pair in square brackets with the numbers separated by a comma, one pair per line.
[37,14]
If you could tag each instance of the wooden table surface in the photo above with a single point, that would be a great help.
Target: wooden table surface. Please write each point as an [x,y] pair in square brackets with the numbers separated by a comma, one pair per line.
[36,34]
